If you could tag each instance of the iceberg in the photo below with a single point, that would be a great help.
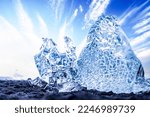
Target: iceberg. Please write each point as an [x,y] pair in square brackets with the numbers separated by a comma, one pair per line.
[107,62]
[55,68]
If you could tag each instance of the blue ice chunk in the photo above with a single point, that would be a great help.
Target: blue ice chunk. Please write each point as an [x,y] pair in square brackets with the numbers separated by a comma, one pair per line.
[57,69]
[107,63]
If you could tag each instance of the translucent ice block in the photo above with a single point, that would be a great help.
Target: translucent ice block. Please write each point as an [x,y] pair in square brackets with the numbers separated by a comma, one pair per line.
[107,63]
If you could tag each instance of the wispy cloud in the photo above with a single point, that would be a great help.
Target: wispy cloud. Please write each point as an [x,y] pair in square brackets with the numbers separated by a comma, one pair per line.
[129,13]
[18,45]
[141,23]
[81,8]
[26,26]
[144,12]
[122,20]
[143,29]
[75,13]
[140,39]
[24,20]
[147,15]
[43,26]
[58,8]
[96,8]
[20,42]
[63,30]
[15,51]
[142,45]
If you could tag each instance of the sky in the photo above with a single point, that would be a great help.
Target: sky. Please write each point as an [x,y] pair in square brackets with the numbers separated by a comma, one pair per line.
[23,24]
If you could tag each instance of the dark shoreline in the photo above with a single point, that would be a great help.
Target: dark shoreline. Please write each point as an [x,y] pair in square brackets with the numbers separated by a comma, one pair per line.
[21,90]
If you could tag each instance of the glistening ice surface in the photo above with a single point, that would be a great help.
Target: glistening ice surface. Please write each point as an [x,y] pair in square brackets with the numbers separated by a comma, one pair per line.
[106,63]
[57,69]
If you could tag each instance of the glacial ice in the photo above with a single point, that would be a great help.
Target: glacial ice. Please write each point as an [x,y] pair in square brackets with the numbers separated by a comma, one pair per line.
[107,62]
[38,82]
[55,68]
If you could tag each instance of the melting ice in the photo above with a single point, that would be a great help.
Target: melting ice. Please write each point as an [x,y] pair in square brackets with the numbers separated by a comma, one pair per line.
[106,63]
[55,68]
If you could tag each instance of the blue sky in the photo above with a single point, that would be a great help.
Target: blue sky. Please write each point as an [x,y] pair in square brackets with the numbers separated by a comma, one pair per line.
[24,22]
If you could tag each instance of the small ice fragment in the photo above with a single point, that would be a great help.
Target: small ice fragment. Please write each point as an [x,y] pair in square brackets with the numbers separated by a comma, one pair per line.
[38,82]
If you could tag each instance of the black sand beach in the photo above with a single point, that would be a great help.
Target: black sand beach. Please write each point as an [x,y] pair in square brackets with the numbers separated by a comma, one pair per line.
[21,90]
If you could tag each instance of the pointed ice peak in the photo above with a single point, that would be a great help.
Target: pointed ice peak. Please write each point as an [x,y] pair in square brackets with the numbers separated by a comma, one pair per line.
[70,48]
[48,43]
[56,68]
[67,40]
[107,62]
[47,46]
